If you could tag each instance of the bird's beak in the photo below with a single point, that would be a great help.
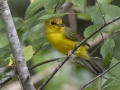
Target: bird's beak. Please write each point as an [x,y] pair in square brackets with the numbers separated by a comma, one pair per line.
[62,25]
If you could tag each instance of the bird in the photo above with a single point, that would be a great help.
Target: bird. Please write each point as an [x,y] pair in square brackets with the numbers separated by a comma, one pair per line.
[64,40]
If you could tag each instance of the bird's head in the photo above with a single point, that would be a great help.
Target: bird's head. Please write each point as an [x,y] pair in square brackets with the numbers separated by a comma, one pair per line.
[53,24]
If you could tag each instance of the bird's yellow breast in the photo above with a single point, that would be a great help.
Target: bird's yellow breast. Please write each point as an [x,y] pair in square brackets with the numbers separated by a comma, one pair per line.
[60,42]
[64,45]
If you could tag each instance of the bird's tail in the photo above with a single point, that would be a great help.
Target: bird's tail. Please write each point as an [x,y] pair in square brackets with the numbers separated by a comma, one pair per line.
[91,65]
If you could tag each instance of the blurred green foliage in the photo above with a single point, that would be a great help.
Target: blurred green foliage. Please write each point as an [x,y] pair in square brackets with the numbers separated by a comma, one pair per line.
[29,20]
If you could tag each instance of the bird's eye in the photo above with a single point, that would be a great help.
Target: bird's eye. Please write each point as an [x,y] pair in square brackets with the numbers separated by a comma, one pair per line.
[53,23]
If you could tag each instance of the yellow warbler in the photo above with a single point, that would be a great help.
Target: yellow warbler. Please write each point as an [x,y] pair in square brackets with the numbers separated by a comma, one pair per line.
[64,39]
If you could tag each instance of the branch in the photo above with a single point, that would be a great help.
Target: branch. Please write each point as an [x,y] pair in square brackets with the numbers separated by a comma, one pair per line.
[66,6]
[97,30]
[6,78]
[56,6]
[103,16]
[11,33]
[99,75]
[41,63]
[53,73]
[102,43]
[72,20]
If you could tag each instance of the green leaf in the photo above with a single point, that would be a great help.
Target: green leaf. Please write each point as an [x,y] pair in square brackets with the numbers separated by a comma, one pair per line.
[1,24]
[79,3]
[4,53]
[84,16]
[49,4]
[19,25]
[97,17]
[47,16]
[90,29]
[105,1]
[115,71]
[30,21]
[34,7]
[16,18]
[111,10]
[61,2]
[91,88]
[18,22]
[39,42]
[4,62]
[14,78]
[24,36]
[108,82]
[113,85]
[28,52]
[107,58]
[117,29]
[106,49]
[2,75]
[107,46]
[46,46]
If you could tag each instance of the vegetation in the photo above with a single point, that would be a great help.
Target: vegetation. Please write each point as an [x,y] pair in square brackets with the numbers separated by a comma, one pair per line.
[96,20]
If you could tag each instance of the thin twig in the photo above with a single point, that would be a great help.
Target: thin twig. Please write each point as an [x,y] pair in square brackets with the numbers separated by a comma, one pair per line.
[41,63]
[100,87]
[103,16]
[28,29]
[99,75]
[102,43]
[78,62]
[104,77]
[96,48]
[97,30]
[115,34]
[66,6]
[37,50]
[53,73]
[56,6]
[7,77]
[102,35]
[72,20]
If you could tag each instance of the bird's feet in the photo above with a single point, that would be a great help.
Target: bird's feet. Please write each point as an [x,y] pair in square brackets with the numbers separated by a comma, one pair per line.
[70,54]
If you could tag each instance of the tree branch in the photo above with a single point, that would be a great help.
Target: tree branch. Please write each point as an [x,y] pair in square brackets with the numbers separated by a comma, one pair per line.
[103,16]
[9,27]
[41,63]
[53,73]
[99,75]
[97,30]
[6,78]
[66,6]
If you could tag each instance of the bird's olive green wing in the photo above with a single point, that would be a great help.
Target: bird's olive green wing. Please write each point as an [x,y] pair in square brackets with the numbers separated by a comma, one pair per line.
[69,33]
